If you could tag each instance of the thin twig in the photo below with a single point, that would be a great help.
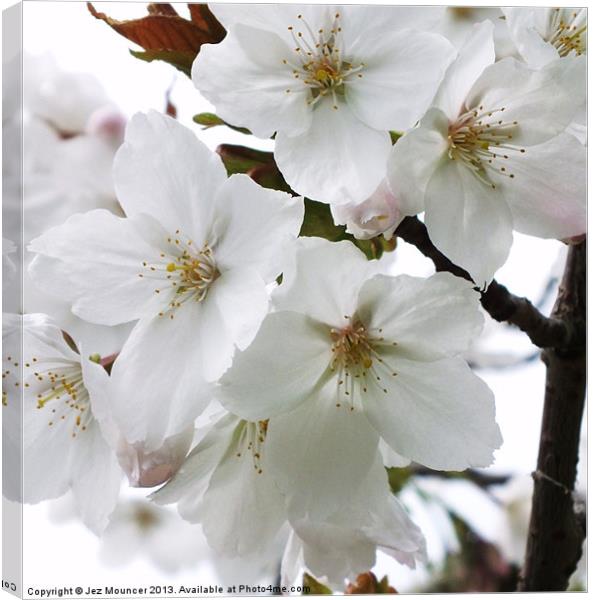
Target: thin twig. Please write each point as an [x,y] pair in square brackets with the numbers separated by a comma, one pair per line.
[501,304]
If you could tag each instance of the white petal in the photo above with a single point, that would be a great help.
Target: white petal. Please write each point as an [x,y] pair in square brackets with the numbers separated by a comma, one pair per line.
[543,102]
[432,318]
[468,221]
[522,25]
[319,453]
[242,510]
[474,56]
[245,77]
[548,194]
[242,301]
[398,65]
[251,225]
[338,160]
[164,170]
[344,544]
[94,259]
[324,281]
[191,480]
[215,331]
[436,413]
[414,159]
[294,351]
[157,379]
[96,479]
[364,24]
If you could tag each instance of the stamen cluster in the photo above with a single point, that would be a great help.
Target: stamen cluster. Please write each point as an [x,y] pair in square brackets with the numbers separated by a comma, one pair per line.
[320,62]
[357,361]
[482,142]
[188,270]
[568,31]
[64,393]
[250,438]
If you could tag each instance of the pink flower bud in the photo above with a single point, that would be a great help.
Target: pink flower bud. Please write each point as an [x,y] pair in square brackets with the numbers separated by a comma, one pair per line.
[107,122]
[378,214]
[151,468]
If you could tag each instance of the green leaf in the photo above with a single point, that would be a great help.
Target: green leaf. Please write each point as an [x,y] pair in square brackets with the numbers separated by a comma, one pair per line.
[398,477]
[240,159]
[209,120]
[314,587]
[395,135]
[180,60]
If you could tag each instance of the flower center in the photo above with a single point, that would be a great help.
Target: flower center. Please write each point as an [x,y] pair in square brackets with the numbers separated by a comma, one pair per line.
[481,140]
[319,61]
[185,272]
[568,31]
[358,360]
[250,437]
[62,393]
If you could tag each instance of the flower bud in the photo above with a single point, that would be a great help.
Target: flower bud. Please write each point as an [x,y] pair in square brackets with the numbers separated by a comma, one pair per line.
[151,468]
[378,214]
[107,122]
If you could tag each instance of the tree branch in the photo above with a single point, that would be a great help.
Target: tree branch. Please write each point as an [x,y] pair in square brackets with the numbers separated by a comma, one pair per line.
[556,531]
[502,306]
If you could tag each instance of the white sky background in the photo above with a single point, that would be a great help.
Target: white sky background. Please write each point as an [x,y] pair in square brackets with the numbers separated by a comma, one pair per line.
[67,554]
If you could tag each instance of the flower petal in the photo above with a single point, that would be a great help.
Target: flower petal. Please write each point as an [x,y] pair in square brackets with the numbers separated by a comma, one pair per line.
[427,318]
[242,510]
[449,414]
[543,102]
[414,159]
[251,225]
[548,194]
[468,221]
[398,65]
[246,78]
[191,480]
[96,479]
[242,301]
[293,350]
[324,280]
[314,487]
[94,259]
[158,386]
[164,170]
[338,160]
[474,56]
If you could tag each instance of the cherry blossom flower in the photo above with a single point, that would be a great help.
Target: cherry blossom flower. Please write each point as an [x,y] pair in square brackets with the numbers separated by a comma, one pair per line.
[345,544]
[226,486]
[190,262]
[329,81]
[542,35]
[350,357]
[63,423]
[491,156]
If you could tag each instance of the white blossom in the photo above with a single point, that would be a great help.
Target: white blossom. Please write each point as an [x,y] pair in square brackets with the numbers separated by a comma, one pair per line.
[330,81]
[491,156]
[350,357]
[190,262]
[63,422]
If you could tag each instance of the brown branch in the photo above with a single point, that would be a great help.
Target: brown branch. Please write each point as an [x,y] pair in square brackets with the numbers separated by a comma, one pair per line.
[556,531]
[502,306]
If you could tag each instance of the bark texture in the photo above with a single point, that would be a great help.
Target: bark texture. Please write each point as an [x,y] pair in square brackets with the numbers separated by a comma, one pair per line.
[556,530]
